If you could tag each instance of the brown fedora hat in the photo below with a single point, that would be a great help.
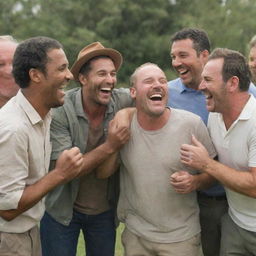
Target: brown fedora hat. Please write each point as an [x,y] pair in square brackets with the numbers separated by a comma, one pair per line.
[93,50]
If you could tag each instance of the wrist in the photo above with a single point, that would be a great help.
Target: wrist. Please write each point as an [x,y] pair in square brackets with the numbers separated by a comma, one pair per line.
[108,148]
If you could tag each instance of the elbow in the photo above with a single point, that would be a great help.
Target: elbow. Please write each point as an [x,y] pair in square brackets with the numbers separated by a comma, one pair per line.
[251,193]
[7,215]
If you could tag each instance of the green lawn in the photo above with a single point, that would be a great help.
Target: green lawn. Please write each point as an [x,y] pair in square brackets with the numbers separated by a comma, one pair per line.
[119,248]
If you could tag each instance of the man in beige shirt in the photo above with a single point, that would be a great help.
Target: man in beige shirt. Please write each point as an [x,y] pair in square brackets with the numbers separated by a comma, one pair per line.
[40,68]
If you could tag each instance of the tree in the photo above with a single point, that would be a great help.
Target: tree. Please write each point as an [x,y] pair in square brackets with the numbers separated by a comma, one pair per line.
[140,30]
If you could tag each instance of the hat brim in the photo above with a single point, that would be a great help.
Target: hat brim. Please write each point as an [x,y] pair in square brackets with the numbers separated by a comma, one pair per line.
[111,53]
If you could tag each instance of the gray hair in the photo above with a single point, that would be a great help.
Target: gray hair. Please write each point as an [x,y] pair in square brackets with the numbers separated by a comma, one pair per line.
[8,38]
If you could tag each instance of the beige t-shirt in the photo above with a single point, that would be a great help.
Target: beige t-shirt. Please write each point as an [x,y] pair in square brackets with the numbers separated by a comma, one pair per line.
[148,204]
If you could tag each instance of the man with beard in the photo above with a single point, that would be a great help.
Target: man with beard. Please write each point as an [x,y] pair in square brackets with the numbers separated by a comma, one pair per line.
[225,83]
[40,68]
[190,49]
[158,220]
[86,204]
[8,87]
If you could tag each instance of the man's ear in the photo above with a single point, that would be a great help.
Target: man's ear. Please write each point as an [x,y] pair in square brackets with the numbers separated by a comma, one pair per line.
[82,79]
[233,84]
[204,55]
[133,92]
[35,75]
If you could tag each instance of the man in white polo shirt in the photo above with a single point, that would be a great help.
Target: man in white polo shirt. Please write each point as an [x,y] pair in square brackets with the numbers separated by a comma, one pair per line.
[225,83]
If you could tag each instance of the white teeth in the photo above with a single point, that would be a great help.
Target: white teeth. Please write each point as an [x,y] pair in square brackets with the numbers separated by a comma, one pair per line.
[156,95]
[182,72]
[106,89]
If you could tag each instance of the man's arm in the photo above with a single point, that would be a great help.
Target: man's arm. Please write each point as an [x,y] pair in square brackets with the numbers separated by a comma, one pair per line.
[68,166]
[117,137]
[196,156]
[123,119]
[184,182]
[108,167]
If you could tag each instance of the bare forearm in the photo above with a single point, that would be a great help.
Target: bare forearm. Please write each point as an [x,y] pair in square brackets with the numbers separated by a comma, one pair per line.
[203,181]
[108,167]
[243,182]
[96,157]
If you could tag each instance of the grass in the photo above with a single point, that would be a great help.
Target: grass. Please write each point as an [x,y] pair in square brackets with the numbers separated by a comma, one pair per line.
[119,248]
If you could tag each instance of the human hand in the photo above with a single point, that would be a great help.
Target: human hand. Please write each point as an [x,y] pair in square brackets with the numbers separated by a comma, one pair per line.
[183,182]
[123,117]
[117,136]
[195,155]
[69,164]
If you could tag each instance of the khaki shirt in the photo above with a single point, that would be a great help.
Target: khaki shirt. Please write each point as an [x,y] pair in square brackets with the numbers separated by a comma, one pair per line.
[25,155]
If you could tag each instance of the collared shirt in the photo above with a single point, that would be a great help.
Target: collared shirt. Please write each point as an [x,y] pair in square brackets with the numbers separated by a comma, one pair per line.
[69,128]
[182,97]
[25,155]
[236,148]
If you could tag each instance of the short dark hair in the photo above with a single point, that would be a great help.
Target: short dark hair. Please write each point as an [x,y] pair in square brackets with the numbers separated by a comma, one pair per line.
[199,38]
[234,64]
[32,53]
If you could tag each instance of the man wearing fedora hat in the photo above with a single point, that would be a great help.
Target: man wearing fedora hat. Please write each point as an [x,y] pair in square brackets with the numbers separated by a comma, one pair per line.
[87,203]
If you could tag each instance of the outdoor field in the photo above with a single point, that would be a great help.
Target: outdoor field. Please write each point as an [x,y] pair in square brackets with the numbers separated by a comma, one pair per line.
[119,248]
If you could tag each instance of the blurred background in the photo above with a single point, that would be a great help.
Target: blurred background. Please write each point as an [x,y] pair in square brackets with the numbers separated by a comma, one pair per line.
[139,29]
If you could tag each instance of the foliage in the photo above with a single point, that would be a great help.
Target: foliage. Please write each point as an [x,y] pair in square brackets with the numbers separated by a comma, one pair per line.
[140,30]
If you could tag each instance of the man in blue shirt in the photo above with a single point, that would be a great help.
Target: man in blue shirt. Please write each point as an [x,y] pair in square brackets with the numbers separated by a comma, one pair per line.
[190,49]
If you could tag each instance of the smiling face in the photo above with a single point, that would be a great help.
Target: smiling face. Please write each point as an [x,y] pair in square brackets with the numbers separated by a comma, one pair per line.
[56,78]
[8,87]
[213,86]
[150,90]
[99,82]
[187,63]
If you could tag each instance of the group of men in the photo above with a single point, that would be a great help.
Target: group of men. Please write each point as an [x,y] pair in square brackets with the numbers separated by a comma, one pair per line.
[162,146]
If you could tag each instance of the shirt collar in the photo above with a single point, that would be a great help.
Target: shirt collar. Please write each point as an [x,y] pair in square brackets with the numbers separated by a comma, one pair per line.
[249,109]
[31,113]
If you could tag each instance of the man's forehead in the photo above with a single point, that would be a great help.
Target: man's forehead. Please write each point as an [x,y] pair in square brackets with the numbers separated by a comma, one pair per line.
[213,66]
[102,64]
[149,71]
[7,45]
[182,45]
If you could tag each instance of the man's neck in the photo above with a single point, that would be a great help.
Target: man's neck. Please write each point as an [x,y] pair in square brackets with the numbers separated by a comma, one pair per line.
[3,101]
[193,85]
[153,123]
[94,112]
[36,100]
[234,109]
